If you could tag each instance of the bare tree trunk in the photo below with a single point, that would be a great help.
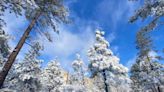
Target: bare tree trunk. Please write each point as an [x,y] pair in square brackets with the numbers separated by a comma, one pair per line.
[106,85]
[17,49]
[158,88]
[83,80]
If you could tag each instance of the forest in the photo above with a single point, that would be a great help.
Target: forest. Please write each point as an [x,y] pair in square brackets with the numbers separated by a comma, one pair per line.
[81,46]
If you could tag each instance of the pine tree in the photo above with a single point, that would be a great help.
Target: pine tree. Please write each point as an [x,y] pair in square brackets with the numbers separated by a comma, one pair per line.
[52,78]
[76,81]
[25,75]
[4,48]
[13,6]
[153,8]
[40,13]
[106,68]
[146,73]
[78,71]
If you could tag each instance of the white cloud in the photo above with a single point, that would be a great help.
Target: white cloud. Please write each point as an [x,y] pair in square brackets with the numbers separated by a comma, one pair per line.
[153,55]
[115,12]
[68,43]
[115,50]
[111,37]
[70,2]
[130,62]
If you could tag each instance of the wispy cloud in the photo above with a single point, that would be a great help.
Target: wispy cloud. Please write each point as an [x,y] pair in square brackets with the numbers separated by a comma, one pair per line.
[71,40]
[153,55]
[130,62]
[111,37]
[115,11]
[67,42]
[115,49]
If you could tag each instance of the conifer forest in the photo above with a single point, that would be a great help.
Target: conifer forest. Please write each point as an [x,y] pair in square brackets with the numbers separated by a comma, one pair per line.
[81,45]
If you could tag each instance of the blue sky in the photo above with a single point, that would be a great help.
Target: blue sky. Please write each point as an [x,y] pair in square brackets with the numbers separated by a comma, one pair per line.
[109,15]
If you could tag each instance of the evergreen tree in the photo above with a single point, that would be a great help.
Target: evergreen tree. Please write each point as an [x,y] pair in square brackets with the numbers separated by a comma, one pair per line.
[146,73]
[40,13]
[52,78]
[78,71]
[153,8]
[4,48]
[76,82]
[14,6]
[25,75]
[105,67]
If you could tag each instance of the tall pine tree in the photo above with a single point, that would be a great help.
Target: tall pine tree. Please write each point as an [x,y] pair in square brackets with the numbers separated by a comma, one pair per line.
[104,66]
[52,77]
[25,75]
[76,81]
[40,13]
[146,73]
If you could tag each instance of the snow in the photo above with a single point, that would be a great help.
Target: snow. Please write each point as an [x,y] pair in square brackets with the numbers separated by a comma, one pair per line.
[102,59]
[104,67]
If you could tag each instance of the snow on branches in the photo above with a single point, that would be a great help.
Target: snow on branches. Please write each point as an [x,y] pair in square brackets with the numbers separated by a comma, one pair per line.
[105,66]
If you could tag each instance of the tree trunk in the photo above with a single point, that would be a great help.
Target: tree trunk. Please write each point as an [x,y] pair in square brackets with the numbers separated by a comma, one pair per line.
[15,52]
[106,85]
[158,88]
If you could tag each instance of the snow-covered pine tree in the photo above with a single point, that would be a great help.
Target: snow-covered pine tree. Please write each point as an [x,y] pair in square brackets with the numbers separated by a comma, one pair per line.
[153,8]
[111,76]
[4,51]
[25,75]
[147,72]
[147,76]
[4,47]
[78,71]
[76,82]
[52,77]
[13,6]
